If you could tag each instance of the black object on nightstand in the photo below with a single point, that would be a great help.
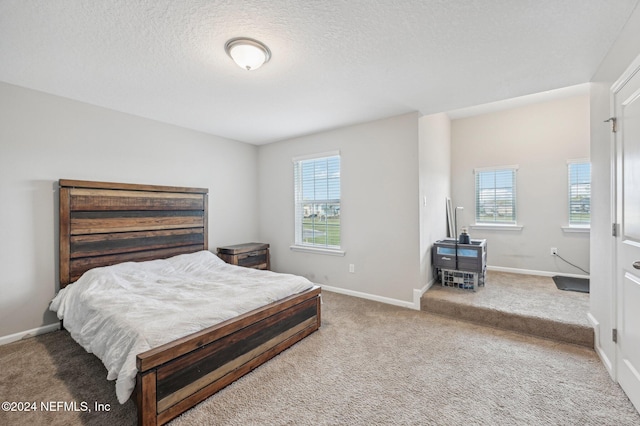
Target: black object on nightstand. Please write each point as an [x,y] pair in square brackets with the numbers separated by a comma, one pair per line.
[249,255]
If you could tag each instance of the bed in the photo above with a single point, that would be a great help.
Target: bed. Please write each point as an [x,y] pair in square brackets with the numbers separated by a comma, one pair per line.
[104,224]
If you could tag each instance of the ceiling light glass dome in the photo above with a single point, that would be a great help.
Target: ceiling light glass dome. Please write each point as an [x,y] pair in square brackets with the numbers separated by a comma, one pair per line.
[248,53]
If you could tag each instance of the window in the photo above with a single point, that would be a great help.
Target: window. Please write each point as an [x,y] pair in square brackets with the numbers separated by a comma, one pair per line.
[496,195]
[579,193]
[317,201]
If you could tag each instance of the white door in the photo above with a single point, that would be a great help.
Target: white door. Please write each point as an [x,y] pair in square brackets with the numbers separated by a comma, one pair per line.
[627,112]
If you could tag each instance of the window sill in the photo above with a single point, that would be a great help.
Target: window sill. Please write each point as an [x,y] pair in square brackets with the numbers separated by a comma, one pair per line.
[318,250]
[577,229]
[497,227]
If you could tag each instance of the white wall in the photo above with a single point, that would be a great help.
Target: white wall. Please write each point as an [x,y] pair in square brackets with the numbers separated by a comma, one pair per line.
[539,138]
[379,211]
[602,313]
[435,185]
[44,138]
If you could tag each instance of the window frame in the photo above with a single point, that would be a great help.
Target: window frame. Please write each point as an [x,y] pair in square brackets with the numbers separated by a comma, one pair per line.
[577,224]
[299,202]
[479,222]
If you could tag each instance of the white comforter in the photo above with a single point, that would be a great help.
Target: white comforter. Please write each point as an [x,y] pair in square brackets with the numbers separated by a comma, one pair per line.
[119,311]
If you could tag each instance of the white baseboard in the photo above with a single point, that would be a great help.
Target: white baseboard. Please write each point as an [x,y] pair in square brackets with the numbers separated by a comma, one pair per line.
[373,297]
[29,333]
[596,346]
[417,294]
[532,272]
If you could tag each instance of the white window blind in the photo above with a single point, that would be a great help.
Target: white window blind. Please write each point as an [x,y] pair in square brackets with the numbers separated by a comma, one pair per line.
[496,195]
[317,201]
[579,193]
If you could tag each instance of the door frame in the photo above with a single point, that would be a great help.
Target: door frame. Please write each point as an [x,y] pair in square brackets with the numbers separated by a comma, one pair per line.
[616,203]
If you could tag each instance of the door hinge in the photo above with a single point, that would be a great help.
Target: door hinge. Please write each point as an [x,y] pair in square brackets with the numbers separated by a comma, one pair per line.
[614,127]
[614,229]
[614,335]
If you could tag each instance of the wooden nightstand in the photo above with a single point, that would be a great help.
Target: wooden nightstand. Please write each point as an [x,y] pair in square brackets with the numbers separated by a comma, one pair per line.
[249,255]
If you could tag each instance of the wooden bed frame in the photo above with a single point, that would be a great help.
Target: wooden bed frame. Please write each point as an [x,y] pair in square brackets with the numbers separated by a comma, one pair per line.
[107,223]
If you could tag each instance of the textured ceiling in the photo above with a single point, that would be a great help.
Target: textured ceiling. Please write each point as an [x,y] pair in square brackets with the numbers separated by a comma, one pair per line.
[335,62]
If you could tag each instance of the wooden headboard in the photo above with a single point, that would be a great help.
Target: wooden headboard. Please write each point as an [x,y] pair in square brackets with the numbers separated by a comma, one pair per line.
[104,223]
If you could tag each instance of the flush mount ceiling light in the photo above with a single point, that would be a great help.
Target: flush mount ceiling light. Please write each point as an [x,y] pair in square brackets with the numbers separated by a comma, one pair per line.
[248,53]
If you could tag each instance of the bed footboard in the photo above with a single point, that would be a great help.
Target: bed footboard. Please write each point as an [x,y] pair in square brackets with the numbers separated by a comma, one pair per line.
[175,377]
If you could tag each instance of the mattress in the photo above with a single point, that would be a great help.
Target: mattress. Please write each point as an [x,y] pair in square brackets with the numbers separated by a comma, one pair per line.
[117,312]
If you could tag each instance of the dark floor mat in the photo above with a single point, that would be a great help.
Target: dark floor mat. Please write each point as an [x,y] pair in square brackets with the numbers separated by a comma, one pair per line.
[572,284]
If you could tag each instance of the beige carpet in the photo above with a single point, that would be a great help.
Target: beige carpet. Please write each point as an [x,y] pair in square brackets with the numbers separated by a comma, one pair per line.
[370,363]
[524,303]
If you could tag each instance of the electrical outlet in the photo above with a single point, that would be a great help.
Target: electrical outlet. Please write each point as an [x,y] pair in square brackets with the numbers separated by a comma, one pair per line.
[554,251]
[352,268]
